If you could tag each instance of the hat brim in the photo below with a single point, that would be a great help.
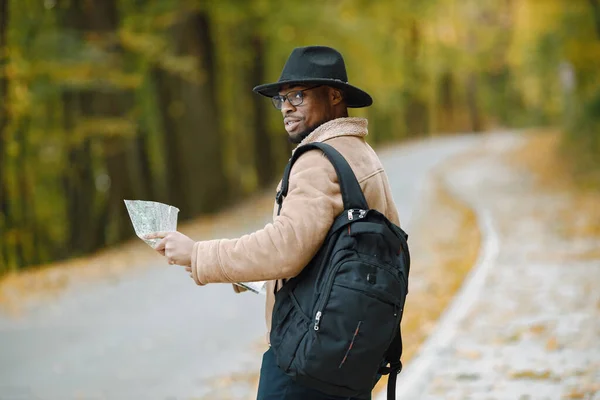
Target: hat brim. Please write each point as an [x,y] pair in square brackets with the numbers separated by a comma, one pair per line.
[355,97]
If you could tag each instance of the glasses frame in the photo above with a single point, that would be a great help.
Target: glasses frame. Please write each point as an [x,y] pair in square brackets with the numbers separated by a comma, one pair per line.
[284,97]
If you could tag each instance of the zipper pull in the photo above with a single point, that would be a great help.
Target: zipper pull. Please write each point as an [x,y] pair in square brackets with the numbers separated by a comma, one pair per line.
[317,320]
[350,215]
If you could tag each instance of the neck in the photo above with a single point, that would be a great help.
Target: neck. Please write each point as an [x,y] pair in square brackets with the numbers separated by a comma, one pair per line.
[338,127]
[341,112]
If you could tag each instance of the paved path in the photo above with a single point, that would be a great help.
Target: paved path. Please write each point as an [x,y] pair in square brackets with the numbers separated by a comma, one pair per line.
[526,324]
[154,334]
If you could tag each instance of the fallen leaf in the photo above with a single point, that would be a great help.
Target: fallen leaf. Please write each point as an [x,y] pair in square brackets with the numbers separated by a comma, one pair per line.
[537,329]
[469,354]
[534,375]
[552,344]
[574,394]
[468,377]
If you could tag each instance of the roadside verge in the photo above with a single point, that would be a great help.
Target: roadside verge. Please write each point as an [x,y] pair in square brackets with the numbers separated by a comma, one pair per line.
[445,242]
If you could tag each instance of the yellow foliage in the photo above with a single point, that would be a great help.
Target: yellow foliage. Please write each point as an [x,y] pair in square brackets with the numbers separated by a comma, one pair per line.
[157,49]
[88,73]
[103,127]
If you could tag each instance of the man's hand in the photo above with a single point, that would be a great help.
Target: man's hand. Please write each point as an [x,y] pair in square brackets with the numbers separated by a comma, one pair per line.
[175,246]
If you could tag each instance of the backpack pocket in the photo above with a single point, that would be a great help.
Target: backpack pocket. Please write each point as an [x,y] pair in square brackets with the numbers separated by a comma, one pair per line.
[352,332]
[289,326]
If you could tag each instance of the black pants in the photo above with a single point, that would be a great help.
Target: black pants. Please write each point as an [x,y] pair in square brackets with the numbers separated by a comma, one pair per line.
[274,384]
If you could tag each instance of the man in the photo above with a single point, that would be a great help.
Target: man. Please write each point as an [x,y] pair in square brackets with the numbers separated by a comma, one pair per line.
[313,95]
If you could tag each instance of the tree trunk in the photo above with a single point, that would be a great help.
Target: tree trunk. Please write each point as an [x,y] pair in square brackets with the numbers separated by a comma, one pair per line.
[596,15]
[474,117]
[78,181]
[193,148]
[79,177]
[471,84]
[263,154]
[124,159]
[206,179]
[416,112]
[3,76]
[4,215]
[446,119]
[27,232]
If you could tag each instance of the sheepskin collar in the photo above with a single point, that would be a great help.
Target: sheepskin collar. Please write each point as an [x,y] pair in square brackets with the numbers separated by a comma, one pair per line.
[349,126]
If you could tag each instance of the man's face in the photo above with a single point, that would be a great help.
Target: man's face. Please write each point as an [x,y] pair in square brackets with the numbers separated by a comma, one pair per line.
[301,120]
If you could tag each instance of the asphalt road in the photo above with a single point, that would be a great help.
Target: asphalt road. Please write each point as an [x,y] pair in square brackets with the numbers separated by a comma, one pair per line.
[154,334]
[525,323]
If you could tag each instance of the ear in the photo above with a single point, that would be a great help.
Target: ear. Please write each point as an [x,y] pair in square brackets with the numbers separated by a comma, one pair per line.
[336,96]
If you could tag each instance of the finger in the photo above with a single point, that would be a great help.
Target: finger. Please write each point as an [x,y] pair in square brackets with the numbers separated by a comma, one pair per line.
[171,261]
[156,235]
[188,268]
[160,247]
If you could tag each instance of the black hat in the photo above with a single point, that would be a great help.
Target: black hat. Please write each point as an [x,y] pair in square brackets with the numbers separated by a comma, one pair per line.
[321,65]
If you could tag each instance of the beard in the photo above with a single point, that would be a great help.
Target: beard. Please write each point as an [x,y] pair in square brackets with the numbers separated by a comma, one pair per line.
[299,137]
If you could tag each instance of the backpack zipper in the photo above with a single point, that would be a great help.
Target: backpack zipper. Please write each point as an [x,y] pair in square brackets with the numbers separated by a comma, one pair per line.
[317,320]
[397,308]
[329,284]
[377,296]
[327,289]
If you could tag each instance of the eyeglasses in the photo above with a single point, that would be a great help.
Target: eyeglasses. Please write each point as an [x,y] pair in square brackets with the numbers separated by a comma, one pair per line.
[295,97]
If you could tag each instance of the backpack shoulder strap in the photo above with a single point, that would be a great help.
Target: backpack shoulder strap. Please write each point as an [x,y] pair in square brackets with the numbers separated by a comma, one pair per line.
[392,357]
[352,194]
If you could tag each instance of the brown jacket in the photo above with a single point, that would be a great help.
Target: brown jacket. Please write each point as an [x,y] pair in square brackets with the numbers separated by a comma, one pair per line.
[282,248]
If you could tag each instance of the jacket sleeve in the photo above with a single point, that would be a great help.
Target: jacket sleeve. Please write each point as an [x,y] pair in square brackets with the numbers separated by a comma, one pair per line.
[282,248]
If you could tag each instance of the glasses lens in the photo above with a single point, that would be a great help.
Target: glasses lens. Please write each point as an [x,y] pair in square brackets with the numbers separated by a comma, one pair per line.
[277,101]
[296,98]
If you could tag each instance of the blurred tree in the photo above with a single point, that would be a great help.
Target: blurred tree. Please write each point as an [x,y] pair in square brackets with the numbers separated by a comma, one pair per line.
[3,124]
[102,116]
[106,100]
[416,113]
[192,139]
[556,55]
[596,13]
[264,160]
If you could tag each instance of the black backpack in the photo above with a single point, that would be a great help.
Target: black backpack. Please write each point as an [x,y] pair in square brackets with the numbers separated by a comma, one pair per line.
[336,326]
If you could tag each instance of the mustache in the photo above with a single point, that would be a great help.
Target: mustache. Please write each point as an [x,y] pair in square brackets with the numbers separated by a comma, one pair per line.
[302,135]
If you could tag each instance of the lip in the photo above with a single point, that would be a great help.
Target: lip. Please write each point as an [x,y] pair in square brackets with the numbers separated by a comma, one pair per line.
[291,124]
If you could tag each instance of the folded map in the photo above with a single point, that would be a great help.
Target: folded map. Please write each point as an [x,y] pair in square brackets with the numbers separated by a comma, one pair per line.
[151,216]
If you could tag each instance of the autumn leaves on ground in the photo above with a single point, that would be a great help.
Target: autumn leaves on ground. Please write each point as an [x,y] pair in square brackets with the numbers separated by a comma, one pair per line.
[545,155]
[19,289]
[445,243]
[445,246]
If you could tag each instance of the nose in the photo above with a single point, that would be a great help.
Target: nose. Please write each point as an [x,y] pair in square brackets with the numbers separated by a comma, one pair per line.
[287,107]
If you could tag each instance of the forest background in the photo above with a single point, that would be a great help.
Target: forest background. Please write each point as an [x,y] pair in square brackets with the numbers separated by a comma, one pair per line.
[105,100]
